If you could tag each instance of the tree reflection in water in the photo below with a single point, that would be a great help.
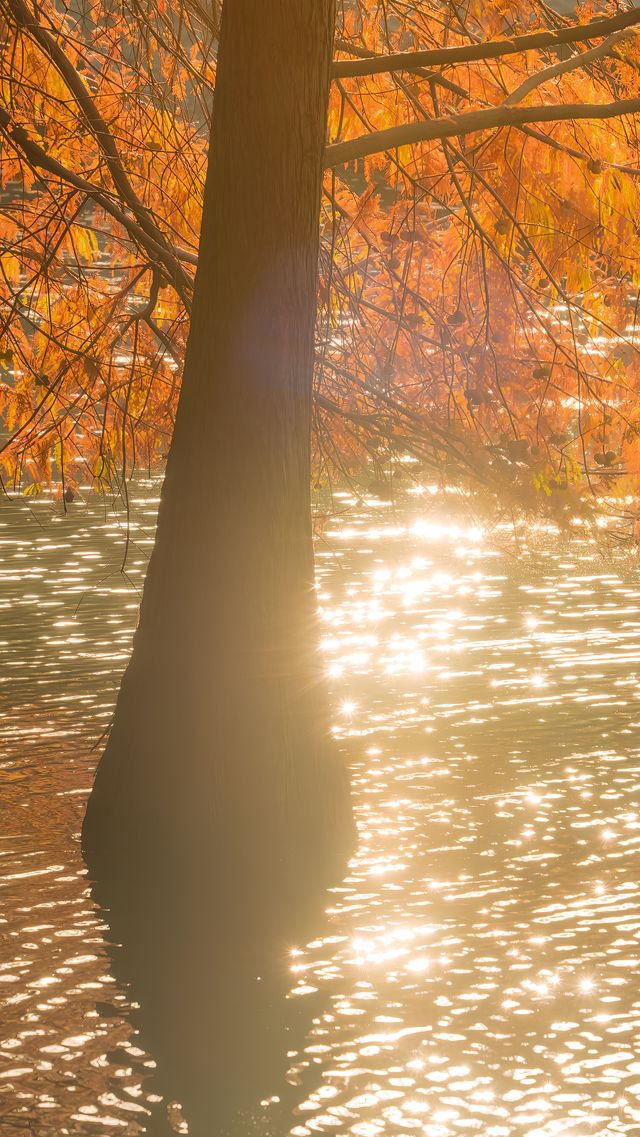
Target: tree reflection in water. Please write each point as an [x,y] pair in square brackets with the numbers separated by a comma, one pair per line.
[209,968]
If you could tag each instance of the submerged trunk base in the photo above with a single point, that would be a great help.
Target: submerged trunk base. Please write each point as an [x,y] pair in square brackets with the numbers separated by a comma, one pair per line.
[243,799]
[212,835]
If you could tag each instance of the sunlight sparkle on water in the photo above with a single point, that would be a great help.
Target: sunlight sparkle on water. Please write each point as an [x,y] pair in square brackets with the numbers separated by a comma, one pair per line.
[348,708]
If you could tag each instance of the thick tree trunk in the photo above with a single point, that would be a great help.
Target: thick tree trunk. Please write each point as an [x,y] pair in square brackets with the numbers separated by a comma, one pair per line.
[220,746]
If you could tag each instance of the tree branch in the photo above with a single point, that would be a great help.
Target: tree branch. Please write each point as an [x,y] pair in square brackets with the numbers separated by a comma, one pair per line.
[442,57]
[432,76]
[88,108]
[40,160]
[101,132]
[580,155]
[564,66]
[470,123]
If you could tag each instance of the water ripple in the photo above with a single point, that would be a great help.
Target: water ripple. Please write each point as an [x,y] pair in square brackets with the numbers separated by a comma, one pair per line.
[479,973]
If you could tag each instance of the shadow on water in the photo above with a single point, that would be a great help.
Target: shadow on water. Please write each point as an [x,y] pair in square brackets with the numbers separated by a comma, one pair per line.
[211,976]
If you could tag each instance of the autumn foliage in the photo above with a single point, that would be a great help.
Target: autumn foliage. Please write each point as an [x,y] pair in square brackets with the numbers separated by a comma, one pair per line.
[479,294]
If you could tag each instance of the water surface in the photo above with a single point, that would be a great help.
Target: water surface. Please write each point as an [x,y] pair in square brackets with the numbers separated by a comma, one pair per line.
[478,972]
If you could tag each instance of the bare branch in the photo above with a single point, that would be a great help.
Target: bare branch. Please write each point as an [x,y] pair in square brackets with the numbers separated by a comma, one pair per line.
[470,123]
[564,66]
[432,76]
[442,57]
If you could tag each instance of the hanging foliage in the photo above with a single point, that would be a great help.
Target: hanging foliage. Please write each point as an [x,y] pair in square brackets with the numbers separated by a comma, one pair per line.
[480,277]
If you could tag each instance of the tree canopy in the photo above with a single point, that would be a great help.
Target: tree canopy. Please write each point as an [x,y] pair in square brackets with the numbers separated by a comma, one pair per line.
[480,270]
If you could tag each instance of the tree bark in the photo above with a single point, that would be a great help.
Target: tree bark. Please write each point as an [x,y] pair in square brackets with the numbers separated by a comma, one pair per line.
[219,749]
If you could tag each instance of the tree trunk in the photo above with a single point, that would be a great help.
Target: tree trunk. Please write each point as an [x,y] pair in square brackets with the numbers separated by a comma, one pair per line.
[220,747]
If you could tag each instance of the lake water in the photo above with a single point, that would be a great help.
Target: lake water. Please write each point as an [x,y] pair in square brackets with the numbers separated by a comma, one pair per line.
[479,969]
